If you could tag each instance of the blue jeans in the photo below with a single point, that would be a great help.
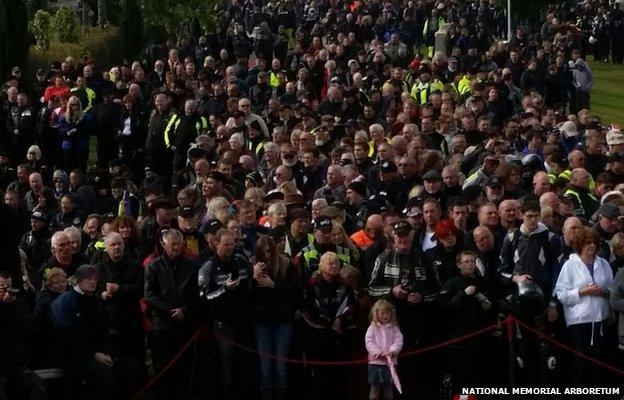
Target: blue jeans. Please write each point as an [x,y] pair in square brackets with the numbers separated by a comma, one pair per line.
[274,340]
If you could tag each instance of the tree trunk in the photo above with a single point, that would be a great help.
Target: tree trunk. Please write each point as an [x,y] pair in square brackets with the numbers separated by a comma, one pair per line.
[101,12]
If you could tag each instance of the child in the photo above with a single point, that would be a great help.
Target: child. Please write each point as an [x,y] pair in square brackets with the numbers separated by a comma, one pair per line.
[383,338]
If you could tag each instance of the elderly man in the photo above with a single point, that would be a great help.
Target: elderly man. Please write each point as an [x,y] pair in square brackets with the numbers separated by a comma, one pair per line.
[171,291]
[120,286]
[36,188]
[507,212]
[585,204]
[541,183]
[370,234]
[334,187]
[62,257]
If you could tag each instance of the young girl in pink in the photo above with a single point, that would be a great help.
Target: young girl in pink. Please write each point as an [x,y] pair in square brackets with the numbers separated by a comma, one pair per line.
[383,339]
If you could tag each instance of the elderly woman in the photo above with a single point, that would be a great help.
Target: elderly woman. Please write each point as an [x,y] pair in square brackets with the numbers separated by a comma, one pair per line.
[329,314]
[277,215]
[583,289]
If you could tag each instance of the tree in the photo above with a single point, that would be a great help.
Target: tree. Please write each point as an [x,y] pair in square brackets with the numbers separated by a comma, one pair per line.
[64,25]
[131,24]
[163,15]
[40,28]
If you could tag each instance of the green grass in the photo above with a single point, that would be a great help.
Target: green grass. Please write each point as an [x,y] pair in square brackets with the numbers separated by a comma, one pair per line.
[607,96]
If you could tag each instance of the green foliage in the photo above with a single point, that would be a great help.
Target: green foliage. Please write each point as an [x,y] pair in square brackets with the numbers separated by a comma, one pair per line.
[167,17]
[40,28]
[102,45]
[131,23]
[64,25]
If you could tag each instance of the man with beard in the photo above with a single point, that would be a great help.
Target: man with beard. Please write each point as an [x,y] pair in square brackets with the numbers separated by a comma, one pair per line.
[400,275]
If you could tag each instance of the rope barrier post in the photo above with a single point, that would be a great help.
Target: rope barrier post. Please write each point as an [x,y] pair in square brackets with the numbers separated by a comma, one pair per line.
[509,321]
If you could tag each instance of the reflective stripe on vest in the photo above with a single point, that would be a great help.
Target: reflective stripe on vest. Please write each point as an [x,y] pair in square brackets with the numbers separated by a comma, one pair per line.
[578,198]
[312,254]
[173,121]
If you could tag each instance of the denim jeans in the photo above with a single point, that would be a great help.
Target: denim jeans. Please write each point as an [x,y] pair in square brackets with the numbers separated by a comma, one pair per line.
[233,364]
[274,340]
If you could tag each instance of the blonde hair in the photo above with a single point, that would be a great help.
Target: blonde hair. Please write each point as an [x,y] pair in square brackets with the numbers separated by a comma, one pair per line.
[69,114]
[618,243]
[278,207]
[218,208]
[382,305]
[50,273]
[326,259]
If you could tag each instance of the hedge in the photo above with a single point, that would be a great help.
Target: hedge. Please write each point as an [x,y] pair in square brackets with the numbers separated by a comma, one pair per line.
[102,45]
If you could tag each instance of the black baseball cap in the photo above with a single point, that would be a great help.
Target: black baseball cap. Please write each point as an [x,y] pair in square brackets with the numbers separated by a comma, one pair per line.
[211,227]
[187,212]
[402,228]
[495,182]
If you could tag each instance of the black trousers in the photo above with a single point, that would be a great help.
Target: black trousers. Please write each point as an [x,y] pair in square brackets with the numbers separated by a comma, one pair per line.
[589,339]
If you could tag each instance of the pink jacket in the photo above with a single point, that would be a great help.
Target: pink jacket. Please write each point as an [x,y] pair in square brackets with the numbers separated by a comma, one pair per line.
[383,338]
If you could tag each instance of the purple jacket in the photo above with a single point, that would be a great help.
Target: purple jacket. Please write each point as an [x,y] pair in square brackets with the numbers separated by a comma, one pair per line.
[383,338]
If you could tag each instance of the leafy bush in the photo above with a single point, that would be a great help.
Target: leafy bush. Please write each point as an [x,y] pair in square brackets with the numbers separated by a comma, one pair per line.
[64,25]
[102,45]
[40,28]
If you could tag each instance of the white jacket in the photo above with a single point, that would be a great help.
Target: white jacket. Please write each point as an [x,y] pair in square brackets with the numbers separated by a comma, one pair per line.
[575,275]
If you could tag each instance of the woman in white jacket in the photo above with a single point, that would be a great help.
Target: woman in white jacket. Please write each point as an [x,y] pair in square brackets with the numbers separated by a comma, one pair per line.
[582,288]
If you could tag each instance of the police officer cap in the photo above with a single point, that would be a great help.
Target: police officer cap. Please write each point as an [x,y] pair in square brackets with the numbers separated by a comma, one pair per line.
[39,216]
[323,223]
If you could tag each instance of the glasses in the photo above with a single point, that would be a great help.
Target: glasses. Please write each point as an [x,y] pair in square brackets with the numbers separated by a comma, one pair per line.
[245,105]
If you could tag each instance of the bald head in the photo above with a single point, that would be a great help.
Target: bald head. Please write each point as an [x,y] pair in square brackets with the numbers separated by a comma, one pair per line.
[576,158]
[580,178]
[541,183]
[571,228]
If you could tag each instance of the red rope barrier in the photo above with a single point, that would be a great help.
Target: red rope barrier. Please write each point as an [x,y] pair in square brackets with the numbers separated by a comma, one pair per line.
[567,348]
[360,361]
[168,366]
[508,323]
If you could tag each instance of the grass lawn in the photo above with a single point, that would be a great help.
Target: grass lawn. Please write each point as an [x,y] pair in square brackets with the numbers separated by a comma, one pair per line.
[607,96]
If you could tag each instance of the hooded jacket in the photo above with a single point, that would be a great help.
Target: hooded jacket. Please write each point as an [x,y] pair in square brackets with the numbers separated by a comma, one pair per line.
[534,253]
[383,338]
[575,275]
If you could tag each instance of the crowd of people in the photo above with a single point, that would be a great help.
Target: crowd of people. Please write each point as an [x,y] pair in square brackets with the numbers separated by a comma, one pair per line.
[316,181]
